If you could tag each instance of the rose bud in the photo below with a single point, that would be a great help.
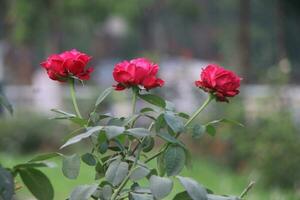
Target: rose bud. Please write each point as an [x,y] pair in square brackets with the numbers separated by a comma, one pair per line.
[69,64]
[136,72]
[218,81]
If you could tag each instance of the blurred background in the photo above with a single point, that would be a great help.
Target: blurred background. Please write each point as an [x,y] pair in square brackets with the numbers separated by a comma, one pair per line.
[257,39]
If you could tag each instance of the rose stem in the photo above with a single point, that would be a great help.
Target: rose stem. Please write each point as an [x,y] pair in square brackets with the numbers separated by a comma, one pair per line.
[207,101]
[73,96]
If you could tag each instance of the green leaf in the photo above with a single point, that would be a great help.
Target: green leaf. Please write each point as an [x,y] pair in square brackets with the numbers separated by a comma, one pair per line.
[167,137]
[82,136]
[138,132]
[160,186]
[194,189]
[46,156]
[148,144]
[103,95]
[198,131]
[63,112]
[153,99]
[113,131]
[99,171]
[89,159]
[210,129]
[218,197]
[106,192]
[147,109]
[174,122]
[116,172]
[37,183]
[174,160]
[139,173]
[71,166]
[7,186]
[5,103]
[83,192]
[136,196]
[226,121]
[33,165]
[182,196]
[160,122]
[161,164]
[183,115]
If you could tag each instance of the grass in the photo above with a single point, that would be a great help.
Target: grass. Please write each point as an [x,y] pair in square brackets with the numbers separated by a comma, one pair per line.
[215,177]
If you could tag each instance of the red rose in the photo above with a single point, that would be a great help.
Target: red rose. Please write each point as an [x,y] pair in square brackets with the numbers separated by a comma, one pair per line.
[136,72]
[219,81]
[66,65]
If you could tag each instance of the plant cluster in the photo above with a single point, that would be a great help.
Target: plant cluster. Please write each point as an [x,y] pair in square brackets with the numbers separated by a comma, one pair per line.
[121,150]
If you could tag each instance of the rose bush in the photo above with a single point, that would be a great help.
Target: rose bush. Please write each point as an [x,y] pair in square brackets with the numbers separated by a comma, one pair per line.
[121,150]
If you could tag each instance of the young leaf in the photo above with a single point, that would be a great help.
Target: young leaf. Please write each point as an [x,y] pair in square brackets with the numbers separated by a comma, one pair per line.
[103,95]
[116,172]
[89,159]
[83,192]
[113,131]
[160,186]
[174,122]
[71,166]
[161,164]
[138,132]
[147,109]
[7,185]
[153,99]
[174,160]
[194,189]
[160,123]
[81,136]
[139,173]
[210,129]
[37,183]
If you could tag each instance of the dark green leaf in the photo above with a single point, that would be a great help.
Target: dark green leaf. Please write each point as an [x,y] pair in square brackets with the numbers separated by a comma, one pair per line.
[182,196]
[183,115]
[174,160]
[147,109]
[167,137]
[160,123]
[161,164]
[37,183]
[71,166]
[99,171]
[103,95]
[89,159]
[106,192]
[82,136]
[113,131]
[153,99]
[34,165]
[148,144]
[194,189]
[7,186]
[160,186]
[83,192]
[174,122]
